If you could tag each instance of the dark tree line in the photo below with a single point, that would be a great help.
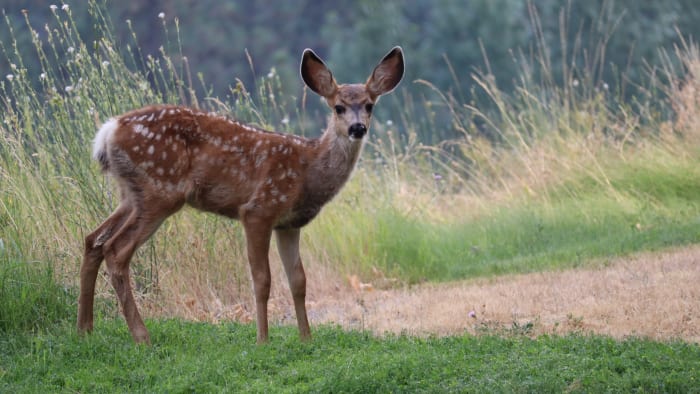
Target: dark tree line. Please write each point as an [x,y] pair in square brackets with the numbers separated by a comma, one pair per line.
[604,41]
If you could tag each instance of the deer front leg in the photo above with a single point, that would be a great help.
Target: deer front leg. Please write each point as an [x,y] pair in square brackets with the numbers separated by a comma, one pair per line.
[288,248]
[258,234]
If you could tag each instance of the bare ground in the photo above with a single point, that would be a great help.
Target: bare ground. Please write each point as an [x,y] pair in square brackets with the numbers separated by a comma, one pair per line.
[654,295]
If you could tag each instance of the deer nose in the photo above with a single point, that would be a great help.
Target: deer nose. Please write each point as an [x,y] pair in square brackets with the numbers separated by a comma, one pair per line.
[357,130]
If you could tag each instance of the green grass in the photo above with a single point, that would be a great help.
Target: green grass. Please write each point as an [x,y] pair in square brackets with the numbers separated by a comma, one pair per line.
[648,204]
[193,357]
[30,297]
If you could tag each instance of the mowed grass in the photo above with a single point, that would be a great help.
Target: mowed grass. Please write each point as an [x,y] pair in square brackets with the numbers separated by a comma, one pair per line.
[195,357]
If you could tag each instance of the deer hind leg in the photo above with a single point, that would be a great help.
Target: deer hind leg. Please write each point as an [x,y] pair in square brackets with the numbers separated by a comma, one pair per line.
[288,248]
[258,234]
[118,250]
[92,259]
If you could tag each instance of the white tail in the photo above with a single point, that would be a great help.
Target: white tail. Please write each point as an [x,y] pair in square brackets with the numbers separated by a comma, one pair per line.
[164,157]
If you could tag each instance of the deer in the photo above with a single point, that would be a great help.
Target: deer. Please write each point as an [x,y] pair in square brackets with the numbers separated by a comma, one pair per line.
[164,157]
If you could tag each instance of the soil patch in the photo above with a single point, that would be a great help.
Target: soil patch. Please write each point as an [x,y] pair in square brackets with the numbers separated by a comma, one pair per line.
[654,295]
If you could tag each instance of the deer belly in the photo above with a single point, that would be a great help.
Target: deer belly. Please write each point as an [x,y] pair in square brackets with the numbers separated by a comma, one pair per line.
[220,199]
[299,216]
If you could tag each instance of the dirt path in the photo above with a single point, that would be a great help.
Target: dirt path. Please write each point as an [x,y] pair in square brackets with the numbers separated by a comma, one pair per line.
[654,295]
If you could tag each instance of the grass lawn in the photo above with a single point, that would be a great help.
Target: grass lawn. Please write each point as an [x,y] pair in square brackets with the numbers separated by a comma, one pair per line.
[199,357]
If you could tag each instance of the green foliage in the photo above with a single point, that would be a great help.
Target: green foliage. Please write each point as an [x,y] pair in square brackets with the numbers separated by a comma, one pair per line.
[30,298]
[189,357]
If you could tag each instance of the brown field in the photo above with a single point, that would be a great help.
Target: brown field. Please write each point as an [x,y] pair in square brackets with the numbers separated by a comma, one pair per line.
[654,295]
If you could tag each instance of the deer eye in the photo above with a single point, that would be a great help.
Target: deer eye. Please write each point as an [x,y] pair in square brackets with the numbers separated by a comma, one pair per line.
[368,107]
[339,109]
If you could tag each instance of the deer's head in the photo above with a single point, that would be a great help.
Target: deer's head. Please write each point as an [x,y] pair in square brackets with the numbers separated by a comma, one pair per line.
[352,103]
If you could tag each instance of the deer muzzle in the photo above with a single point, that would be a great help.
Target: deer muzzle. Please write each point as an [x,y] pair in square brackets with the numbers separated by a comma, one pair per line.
[357,130]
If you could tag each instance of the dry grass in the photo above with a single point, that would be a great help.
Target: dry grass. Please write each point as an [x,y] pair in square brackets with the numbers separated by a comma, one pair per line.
[651,295]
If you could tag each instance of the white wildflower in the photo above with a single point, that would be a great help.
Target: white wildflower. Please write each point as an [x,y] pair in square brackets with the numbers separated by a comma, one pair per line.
[53,7]
[105,63]
[13,66]
[69,88]
[389,122]
[42,76]
[161,15]
[574,83]
[10,77]
[65,7]
[71,49]
[285,120]
[605,86]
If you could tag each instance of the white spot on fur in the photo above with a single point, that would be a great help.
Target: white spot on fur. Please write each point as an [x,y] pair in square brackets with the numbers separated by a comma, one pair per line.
[146,165]
[160,171]
[151,149]
[139,129]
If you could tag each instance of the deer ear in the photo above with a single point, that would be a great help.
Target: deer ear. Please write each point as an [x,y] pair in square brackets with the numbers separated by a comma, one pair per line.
[316,75]
[387,75]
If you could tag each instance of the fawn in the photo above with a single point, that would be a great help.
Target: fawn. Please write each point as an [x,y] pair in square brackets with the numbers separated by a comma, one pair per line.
[163,157]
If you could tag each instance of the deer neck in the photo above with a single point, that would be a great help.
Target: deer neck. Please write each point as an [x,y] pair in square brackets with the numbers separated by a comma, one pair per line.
[333,163]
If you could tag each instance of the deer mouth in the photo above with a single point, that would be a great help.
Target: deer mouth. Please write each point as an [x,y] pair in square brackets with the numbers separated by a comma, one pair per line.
[357,131]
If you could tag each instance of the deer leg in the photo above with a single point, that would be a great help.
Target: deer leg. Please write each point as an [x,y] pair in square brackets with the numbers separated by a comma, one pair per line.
[118,251]
[288,248]
[92,259]
[258,235]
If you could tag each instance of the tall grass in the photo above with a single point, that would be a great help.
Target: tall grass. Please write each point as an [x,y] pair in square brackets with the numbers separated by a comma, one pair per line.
[572,173]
